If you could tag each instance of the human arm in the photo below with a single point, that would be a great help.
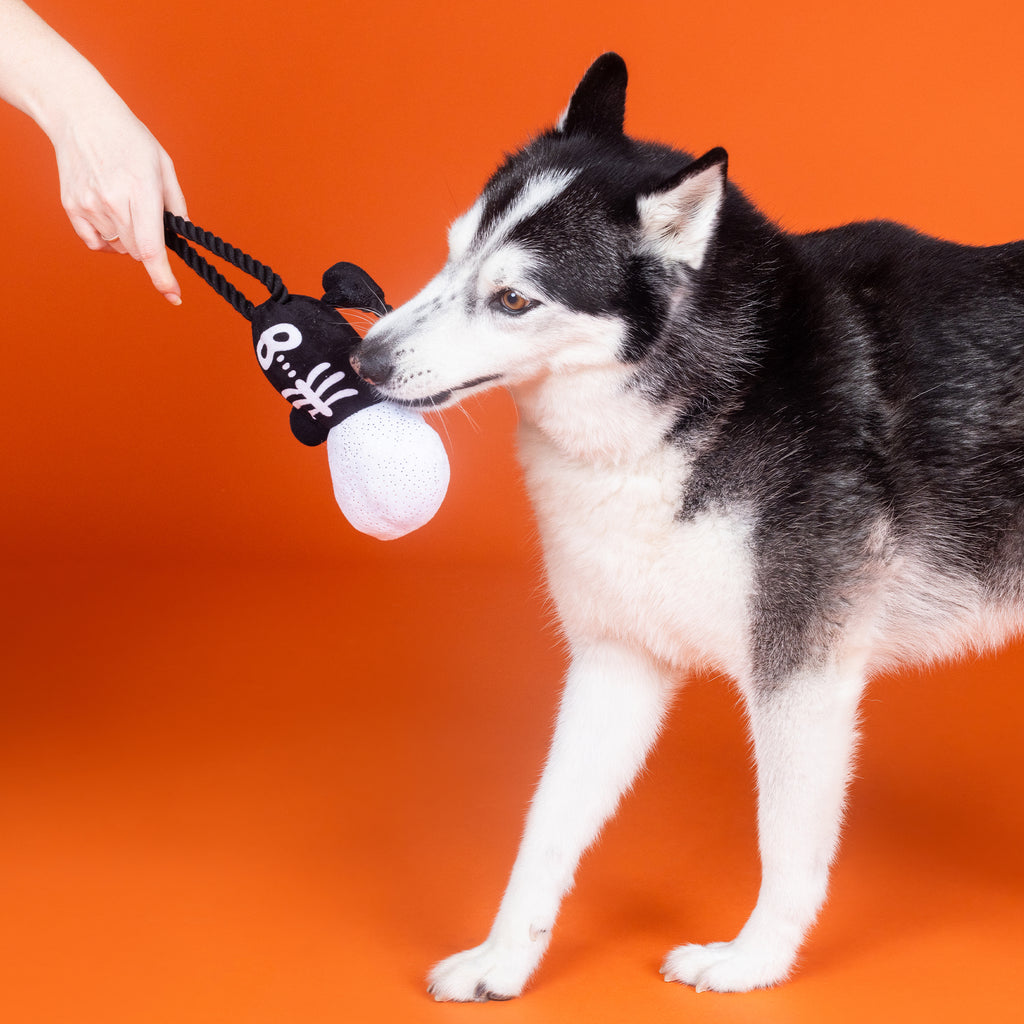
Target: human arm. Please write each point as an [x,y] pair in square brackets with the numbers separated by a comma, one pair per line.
[115,178]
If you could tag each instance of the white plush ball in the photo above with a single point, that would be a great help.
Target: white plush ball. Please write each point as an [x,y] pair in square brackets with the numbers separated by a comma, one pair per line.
[389,469]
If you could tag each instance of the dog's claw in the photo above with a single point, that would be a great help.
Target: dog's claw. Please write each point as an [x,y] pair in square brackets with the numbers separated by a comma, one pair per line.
[483,994]
[492,972]
[728,966]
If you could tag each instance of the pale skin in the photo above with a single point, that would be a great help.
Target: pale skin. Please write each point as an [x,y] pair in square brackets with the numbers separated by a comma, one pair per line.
[116,180]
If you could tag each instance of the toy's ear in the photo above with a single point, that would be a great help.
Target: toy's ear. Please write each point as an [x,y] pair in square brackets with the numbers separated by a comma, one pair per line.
[598,106]
[679,219]
[347,286]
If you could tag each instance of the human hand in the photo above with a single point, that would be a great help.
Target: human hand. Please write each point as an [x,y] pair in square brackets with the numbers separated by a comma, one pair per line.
[116,180]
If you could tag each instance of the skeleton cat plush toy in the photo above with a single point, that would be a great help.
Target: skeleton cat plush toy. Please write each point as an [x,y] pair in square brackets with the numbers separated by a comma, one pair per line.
[388,467]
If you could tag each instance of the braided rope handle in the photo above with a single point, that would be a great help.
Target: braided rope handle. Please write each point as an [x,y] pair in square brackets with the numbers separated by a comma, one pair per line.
[178,232]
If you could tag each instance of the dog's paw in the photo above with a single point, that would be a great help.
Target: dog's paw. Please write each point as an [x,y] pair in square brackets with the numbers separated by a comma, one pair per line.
[490,971]
[735,966]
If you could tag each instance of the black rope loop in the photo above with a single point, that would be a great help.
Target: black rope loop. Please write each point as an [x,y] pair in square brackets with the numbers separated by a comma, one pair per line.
[177,230]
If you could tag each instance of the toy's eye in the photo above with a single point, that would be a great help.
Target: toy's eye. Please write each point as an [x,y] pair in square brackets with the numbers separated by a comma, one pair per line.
[513,301]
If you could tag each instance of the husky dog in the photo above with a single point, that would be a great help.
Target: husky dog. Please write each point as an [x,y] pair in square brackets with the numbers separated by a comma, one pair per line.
[797,459]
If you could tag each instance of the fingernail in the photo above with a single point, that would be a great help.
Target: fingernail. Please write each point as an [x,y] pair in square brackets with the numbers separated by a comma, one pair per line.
[174,300]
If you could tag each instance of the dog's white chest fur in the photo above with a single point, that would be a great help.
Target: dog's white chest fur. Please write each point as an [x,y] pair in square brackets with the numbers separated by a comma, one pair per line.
[606,488]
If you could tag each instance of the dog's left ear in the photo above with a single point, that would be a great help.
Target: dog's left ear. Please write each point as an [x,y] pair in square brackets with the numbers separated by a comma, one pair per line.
[679,219]
[598,105]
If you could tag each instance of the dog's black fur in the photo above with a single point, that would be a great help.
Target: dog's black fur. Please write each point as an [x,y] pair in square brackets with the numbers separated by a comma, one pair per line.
[882,376]
[830,379]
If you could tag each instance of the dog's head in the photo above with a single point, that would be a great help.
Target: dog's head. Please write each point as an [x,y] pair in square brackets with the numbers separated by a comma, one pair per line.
[571,258]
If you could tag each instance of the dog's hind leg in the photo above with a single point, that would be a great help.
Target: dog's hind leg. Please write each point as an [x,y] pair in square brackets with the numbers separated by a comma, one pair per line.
[805,733]
[611,709]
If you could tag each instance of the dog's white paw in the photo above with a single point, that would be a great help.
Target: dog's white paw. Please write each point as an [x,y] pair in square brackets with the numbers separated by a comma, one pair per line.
[735,966]
[489,971]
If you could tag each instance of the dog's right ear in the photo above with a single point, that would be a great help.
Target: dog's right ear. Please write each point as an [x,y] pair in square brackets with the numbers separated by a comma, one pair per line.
[598,105]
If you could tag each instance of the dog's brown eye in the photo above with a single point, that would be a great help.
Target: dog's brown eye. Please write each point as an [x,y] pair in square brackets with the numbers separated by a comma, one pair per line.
[513,301]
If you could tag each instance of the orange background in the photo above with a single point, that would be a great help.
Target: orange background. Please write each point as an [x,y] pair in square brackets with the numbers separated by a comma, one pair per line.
[255,767]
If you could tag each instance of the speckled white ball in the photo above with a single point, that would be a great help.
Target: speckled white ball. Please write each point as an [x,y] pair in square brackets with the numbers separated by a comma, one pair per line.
[389,469]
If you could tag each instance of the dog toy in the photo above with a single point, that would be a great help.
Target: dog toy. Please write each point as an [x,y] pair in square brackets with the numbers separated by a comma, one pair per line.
[388,467]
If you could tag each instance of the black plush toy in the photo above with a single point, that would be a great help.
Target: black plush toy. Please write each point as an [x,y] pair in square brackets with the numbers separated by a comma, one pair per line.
[389,468]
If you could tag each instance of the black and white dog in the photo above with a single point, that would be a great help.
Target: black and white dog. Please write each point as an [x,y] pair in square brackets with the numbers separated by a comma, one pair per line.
[798,459]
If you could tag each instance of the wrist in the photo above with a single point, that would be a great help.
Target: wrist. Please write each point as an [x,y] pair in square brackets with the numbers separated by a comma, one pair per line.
[82,94]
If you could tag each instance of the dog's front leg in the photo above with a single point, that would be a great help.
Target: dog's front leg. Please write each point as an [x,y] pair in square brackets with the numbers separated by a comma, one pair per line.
[804,732]
[611,708]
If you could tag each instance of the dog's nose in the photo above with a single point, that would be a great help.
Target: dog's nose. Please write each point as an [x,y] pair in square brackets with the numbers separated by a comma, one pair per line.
[372,363]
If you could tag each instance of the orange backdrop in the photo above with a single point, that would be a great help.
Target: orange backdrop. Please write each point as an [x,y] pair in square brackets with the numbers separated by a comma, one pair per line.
[256,767]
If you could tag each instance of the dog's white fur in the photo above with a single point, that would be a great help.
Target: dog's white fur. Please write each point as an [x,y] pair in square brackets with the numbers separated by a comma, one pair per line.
[645,598]
[642,600]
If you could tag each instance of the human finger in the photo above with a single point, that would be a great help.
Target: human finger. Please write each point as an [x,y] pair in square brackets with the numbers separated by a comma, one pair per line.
[159,269]
[92,236]
[151,250]
[114,243]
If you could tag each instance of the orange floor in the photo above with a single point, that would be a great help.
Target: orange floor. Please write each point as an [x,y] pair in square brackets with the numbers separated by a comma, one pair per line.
[256,798]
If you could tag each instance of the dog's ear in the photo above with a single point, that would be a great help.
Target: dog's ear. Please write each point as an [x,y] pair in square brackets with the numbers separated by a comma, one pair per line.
[598,105]
[678,219]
